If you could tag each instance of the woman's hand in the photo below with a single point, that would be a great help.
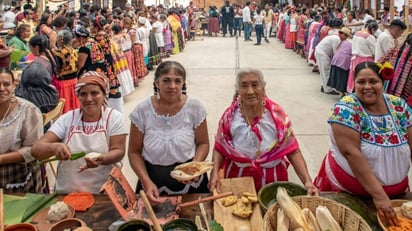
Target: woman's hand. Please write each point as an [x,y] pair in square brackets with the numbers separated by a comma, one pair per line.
[385,211]
[61,151]
[152,193]
[214,182]
[92,162]
[311,188]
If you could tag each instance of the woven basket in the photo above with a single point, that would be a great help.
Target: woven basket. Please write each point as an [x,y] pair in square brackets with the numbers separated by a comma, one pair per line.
[346,217]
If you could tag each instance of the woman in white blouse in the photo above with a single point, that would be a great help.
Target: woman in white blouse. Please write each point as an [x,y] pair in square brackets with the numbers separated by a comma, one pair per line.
[167,129]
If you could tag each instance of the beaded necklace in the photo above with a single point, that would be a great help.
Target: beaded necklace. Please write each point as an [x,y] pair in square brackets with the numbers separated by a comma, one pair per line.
[95,128]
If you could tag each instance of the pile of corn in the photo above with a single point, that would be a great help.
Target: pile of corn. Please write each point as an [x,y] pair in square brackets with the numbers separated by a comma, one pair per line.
[291,217]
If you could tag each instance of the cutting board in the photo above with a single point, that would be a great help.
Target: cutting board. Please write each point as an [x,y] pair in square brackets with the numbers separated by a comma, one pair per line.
[223,215]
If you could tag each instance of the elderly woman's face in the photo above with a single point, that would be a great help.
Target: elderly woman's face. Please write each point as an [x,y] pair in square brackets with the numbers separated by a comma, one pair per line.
[6,87]
[251,89]
[368,87]
[91,98]
[170,85]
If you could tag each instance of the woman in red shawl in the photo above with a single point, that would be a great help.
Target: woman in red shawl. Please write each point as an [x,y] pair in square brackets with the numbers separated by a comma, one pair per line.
[255,138]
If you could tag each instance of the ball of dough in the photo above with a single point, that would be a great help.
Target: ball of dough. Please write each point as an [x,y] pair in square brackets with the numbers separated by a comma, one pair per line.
[58,211]
[93,155]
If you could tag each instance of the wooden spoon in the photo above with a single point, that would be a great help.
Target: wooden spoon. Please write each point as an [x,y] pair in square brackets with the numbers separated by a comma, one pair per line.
[156,224]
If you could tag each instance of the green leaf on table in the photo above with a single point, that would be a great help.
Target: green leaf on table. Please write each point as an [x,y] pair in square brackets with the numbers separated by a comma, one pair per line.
[37,204]
[214,226]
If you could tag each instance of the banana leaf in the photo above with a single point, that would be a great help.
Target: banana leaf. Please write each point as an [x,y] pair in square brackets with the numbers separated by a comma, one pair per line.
[73,156]
[37,205]
[17,209]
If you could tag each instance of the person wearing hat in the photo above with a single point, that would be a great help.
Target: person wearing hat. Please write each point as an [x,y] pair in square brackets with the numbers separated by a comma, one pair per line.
[340,63]
[8,18]
[93,127]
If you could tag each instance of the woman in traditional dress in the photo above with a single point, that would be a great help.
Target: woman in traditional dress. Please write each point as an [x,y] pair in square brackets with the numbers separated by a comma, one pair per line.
[255,138]
[127,46]
[363,50]
[92,58]
[175,26]
[21,124]
[137,50]
[120,62]
[370,143]
[66,57]
[167,34]
[213,24]
[93,127]
[181,122]
[100,32]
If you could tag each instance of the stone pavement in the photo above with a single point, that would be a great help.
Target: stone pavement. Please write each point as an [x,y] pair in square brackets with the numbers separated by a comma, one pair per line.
[211,65]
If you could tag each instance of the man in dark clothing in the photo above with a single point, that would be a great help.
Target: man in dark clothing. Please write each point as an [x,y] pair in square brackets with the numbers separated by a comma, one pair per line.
[228,15]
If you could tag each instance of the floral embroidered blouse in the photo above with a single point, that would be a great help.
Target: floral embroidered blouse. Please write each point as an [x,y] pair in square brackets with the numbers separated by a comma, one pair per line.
[384,138]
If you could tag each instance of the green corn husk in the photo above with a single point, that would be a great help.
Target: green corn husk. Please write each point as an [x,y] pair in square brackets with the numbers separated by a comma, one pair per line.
[36,205]
[74,156]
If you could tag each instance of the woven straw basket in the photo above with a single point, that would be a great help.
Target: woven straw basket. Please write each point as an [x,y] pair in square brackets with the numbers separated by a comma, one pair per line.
[346,217]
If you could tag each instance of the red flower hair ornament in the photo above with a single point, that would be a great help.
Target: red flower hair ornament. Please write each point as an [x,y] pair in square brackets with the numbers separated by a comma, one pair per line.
[386,70]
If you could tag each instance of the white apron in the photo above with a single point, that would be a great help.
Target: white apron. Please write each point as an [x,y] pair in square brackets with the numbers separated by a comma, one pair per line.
[89,180]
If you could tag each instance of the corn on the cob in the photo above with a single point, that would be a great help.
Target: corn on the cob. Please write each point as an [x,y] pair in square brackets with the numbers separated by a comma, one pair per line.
[282,223]
[326,220]
[310,217]
[292,210]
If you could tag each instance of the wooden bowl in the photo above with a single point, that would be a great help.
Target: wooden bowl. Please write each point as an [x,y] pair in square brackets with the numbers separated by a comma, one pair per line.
[21,227]
[396,204]
[68,223]
[41,222]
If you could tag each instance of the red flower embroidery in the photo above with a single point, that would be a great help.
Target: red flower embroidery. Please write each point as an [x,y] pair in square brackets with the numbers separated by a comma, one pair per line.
[336,111]
[399,108]
[365,135]
[394,139]
[356,118]
[379,139]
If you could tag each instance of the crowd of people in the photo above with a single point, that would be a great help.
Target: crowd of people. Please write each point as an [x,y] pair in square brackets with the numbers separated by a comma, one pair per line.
[94,58]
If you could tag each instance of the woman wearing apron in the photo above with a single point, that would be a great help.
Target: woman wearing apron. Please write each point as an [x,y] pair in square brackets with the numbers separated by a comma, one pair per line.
[92,128]
[168,128]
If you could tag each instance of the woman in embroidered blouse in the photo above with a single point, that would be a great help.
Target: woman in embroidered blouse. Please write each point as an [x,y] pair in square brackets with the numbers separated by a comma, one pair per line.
[93,127]
[370,136]
[167,129]
[20,125]
[255,138]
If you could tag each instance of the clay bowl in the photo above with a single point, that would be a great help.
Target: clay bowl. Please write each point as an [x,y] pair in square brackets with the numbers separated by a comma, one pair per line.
[68,223]
[180,224]
[134,225]
[267,194]
[21,227]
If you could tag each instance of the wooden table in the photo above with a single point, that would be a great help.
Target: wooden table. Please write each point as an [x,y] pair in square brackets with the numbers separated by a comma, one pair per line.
[102,214]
